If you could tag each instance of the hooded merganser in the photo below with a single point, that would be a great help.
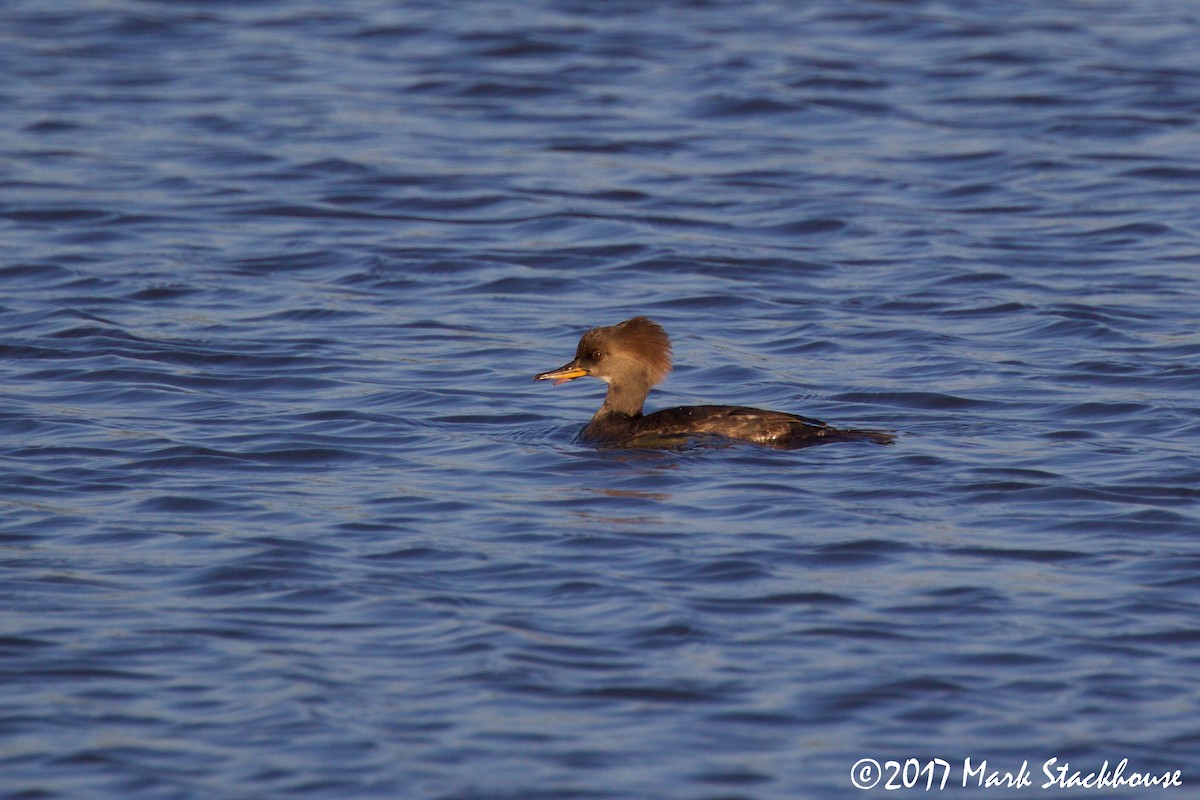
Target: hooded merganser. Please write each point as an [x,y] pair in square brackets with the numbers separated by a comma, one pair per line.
[634,355]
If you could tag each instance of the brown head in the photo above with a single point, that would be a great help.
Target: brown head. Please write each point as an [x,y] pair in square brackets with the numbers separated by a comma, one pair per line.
[630,357]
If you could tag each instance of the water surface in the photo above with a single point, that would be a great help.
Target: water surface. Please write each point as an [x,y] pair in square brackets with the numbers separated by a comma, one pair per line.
[284,515]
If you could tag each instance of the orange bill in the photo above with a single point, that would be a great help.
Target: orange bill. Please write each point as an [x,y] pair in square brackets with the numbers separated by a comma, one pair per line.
[567,372]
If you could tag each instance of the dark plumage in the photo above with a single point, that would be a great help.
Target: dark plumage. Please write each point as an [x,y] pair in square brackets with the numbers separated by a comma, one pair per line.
[634,355]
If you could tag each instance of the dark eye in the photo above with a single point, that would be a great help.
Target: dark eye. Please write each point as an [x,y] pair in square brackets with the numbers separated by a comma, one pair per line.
[596,355]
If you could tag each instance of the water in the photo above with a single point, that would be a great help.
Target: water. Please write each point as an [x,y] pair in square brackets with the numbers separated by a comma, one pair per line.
[284,515]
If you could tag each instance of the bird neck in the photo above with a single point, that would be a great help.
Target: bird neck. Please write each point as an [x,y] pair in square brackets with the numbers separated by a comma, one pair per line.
[624,398]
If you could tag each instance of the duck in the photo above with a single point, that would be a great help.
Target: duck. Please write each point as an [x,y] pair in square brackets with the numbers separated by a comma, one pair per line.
[634,356]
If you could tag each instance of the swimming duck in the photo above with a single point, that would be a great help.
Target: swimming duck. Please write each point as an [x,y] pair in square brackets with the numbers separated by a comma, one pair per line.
[634,355]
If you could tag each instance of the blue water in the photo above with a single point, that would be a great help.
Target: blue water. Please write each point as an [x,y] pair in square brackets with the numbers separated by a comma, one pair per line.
[283,513]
